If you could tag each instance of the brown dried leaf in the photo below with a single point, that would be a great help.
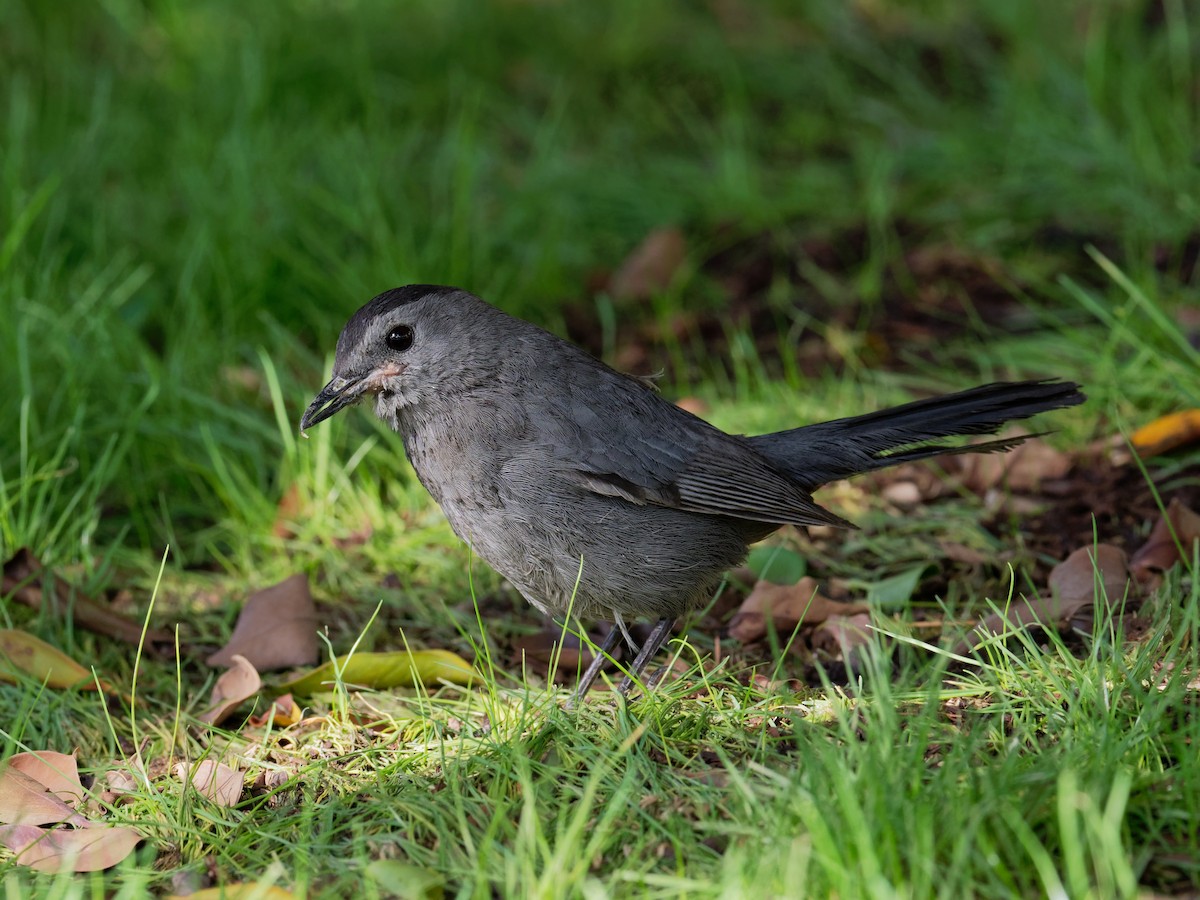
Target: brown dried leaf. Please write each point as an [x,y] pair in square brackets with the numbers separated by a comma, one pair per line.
[213,780]
[1179,528]
[786,605]
[961,553]
[25,801]
[58,772]
[237,684]
[276,630]
[1090,575]
[21,575]
[87,850]
[273,779]
[650,268]
[23,581]
[537,651]
[904,494]
[843,634]
[925,482]
[121,781]
[1021,469]
[114,787]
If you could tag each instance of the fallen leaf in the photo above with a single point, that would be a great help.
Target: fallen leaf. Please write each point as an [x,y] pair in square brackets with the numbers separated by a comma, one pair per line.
[651,267]
[904,494]
[901,484]
[1178,530]
[273,779]
[115,786]
[24,581]
[240,682]
[1089,576]
[277,628]
[21,574]
[946,260]
[121,781]
[213,780]
[1021,469]
[26,801]
[76,850]
[404,880]
[57,772]
[386,670]
[786,605]
[237,891]
[843,634]
[961,553]
[1167,433]
[549,646]
[22,653]
[283,712]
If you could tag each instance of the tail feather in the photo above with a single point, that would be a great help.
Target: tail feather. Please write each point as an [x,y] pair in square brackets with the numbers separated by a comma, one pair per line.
[817,454]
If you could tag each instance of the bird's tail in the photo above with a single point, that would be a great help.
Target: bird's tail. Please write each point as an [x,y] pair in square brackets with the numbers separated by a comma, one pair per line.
[817,454]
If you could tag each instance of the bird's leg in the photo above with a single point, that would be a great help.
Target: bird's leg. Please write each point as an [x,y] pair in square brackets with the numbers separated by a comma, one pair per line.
[620,622]
[658,637]
[603,652]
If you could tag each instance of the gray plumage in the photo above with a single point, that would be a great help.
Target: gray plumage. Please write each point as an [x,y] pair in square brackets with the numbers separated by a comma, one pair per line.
[585,488]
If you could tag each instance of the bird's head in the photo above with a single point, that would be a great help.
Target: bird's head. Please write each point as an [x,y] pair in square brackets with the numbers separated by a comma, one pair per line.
[405,347]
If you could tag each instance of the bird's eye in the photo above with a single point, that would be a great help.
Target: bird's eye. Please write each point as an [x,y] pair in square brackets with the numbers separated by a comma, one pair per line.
[399,338]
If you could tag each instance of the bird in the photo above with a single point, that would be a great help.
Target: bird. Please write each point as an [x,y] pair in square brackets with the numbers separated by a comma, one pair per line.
[590,492]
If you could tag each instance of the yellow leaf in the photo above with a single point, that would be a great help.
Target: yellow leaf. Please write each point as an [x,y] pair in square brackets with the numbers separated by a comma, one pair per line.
[283,712]
[386,670]
[1167,433]
[22,653]
[237,891]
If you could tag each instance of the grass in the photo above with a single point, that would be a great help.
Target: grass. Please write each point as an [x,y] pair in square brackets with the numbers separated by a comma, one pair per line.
[194,197]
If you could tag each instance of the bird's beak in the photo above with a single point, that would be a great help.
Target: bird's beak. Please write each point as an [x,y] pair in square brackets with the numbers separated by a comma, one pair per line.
[334,397]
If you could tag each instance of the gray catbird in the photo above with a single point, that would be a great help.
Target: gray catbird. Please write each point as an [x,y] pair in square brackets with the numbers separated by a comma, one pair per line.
[587,490]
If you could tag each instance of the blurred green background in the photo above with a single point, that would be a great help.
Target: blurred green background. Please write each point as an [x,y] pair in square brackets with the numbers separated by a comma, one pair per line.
[196,195]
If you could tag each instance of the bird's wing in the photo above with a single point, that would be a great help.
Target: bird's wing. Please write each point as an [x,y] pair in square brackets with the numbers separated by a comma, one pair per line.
[687,464]
[613,435]
[742,488]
